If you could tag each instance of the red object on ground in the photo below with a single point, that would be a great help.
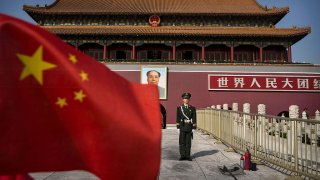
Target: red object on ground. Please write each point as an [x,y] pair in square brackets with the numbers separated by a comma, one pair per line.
[247,159]
[62,110]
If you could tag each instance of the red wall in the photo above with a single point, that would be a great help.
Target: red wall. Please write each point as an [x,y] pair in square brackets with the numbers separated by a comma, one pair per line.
[197,84]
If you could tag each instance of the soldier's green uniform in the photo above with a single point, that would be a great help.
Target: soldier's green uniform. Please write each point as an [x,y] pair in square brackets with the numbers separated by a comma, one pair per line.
[186,122]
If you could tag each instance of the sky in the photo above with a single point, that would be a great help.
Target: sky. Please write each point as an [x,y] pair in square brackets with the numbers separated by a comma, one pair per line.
[303,13]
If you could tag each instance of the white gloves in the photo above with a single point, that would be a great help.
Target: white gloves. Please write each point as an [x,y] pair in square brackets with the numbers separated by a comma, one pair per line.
[178,131]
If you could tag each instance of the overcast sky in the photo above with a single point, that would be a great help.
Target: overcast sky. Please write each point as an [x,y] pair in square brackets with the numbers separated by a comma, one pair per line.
[302,13]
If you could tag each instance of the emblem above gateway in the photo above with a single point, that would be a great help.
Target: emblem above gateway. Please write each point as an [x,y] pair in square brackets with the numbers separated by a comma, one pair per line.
[154,20]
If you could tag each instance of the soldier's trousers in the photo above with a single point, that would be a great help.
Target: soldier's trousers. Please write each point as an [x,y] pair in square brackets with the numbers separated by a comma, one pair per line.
[185,144]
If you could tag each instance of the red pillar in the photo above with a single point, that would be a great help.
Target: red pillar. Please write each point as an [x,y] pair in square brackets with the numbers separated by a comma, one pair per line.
[133,51]
[289,55]
[174,51]
[105,52]
[231,55]
[202,52]
[261,54]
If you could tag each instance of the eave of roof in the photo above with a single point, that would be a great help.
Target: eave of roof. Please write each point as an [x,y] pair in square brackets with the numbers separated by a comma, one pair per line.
[208,7]
[178,30]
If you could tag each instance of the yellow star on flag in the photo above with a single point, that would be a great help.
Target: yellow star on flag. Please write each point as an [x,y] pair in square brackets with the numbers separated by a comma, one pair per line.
[73,58]
[79,95]
[61,102]
[84,76]
[34,65]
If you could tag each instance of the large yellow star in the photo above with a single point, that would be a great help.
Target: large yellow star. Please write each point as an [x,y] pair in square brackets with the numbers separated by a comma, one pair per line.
[34,65]
[61,102]
[84,76]
[79,95]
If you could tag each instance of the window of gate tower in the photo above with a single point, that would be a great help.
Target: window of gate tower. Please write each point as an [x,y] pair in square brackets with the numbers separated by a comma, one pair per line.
[187,55]
[154,55]
[121,55]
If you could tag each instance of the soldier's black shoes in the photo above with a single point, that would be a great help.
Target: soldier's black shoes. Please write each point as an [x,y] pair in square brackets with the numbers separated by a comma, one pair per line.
[183,158]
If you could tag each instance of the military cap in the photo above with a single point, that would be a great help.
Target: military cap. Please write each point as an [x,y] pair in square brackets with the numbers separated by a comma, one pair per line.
[186,96]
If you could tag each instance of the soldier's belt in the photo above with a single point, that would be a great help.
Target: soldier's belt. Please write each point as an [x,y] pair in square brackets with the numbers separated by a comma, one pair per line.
[187,121]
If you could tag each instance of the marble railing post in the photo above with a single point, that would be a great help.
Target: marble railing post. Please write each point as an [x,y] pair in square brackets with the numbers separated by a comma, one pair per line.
[225,106]
[235,107]
[293,113]
[246,109]
[317,117]
[261,123]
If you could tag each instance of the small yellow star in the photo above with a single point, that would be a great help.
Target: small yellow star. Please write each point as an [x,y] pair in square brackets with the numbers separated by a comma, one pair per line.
[73,58]
[61,102]
[79,95]
[34,65]
[84,76]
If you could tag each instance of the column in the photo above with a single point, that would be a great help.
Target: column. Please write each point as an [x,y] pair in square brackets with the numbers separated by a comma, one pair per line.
[174,51]
[261,54]
[105,52]
[232,54]
[133,55]
[202,52]
[289,55]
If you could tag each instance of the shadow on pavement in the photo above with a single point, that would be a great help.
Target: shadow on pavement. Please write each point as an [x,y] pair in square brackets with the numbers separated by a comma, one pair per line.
[204,153]
[170,153]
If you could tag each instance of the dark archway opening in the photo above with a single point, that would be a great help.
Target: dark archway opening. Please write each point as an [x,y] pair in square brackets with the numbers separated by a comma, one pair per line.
[120,55]
[187,55]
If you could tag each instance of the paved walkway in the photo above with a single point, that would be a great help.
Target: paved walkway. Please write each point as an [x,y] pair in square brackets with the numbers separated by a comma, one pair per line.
[206,154]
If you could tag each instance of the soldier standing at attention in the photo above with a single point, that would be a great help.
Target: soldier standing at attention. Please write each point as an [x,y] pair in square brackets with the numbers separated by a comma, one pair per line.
[186,125]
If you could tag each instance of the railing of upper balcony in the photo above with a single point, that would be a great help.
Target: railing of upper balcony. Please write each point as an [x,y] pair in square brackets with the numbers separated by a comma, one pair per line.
[194,61]
[291,143]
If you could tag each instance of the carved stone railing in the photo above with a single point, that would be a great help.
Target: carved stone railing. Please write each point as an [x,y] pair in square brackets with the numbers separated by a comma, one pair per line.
[291,143]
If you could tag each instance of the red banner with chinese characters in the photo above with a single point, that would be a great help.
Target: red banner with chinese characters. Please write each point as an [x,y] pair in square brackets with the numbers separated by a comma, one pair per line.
[264,82]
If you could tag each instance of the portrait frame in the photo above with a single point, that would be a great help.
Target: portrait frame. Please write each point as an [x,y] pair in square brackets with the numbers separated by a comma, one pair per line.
[162,85]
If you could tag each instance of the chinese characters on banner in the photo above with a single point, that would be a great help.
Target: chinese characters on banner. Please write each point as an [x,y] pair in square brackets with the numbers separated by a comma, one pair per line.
[263,82]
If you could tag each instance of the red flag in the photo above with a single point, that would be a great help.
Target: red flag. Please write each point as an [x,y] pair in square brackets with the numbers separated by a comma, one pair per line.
[16,177]
[61,110]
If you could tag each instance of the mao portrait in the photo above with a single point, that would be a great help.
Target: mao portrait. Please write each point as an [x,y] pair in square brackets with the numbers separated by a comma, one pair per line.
[156,76]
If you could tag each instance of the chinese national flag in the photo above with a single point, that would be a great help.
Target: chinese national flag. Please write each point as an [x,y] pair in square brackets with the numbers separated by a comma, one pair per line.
[61,110]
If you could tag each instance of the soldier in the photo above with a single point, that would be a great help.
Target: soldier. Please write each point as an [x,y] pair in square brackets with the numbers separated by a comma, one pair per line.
[186,125]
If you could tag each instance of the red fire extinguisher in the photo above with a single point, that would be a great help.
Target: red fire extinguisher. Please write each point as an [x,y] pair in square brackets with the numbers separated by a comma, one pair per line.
[247,159]
[242,162]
